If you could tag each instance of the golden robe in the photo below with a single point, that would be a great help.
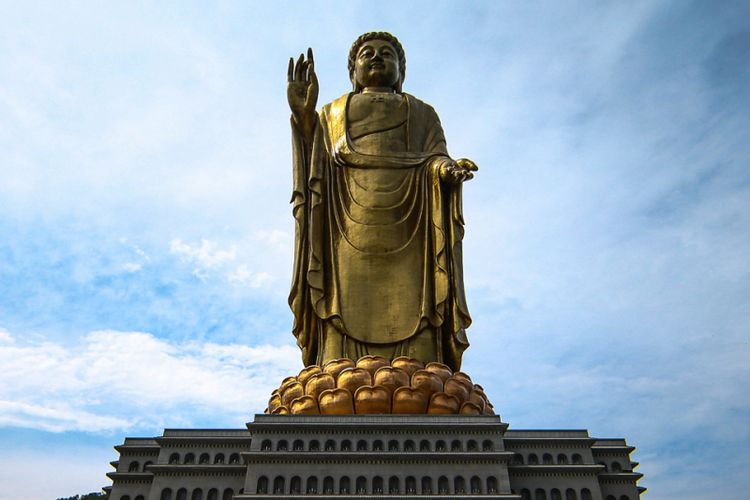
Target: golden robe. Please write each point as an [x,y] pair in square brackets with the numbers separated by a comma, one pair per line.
[378,262]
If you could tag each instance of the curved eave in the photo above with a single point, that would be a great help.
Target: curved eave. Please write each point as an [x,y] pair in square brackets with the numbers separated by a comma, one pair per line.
[613,449]
[620,476]
[338,496]
[193,468]
[265,423]
[208,431]
[129,476]
[392,456]
[137,448]
[546,469]
[182,440]
[519,441]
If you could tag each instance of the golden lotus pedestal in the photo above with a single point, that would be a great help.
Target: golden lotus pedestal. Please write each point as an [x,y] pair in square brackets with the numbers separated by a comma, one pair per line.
[374,385]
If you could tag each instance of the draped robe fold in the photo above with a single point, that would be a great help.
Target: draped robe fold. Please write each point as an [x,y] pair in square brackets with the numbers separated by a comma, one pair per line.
[378,261]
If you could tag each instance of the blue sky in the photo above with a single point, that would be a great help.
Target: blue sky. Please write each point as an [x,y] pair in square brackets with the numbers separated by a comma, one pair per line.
[145,235]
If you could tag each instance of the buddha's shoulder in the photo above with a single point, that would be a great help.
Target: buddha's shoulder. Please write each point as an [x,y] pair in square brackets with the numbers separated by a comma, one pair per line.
[419,103]
[338,105]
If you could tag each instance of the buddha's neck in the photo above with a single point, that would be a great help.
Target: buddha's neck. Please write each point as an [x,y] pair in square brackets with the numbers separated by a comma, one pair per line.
[371,90]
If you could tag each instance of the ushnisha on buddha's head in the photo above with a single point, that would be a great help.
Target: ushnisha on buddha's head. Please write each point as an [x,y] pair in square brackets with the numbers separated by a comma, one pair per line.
[377,63]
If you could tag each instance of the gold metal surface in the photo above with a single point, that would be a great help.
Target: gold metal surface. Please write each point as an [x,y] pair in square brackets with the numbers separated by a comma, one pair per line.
[377,204]
[389,389]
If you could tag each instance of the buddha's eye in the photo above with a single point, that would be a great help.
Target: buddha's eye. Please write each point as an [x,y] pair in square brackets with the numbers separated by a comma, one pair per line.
[366,53]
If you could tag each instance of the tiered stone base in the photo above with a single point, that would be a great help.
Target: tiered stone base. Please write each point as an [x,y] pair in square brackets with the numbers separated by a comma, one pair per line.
[374,385]
[377,456]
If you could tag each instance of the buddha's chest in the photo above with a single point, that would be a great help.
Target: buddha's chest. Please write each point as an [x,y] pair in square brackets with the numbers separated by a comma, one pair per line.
[377,123]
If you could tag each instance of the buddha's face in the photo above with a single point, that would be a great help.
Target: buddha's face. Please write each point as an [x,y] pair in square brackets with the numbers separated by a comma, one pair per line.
[376,65]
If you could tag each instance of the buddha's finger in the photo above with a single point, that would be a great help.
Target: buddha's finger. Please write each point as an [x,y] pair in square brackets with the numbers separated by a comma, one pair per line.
[310,71]
[298,68]
[468,164]
[290,70]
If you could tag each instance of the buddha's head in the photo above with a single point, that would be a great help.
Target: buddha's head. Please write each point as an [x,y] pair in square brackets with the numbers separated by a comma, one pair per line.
[377,59]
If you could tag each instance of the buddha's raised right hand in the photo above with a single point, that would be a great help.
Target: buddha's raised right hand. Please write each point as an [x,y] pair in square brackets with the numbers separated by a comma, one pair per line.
[302,92]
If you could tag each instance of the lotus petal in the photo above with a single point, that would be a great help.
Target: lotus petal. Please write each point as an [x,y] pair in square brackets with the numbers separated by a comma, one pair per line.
[336,402]
[442,403]
[305,405]
[306,373]
[292,392]
[439,369]
[427,382]
[335,366]
[372,363]
[409,365]
[371,399]
[478,400]
[318,383]
[353,378]
[469,408]
[391,377]
[456,388]
[274,402]
[410,400]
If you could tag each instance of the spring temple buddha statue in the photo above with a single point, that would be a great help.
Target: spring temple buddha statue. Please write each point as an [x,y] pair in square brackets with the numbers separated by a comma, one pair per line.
[377,203]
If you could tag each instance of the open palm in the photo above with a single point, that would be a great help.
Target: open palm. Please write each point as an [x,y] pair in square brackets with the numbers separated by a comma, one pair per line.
[302,89]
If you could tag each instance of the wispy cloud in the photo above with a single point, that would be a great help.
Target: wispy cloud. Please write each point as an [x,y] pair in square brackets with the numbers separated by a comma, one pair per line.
[208,257]
[56,416]
[130,380]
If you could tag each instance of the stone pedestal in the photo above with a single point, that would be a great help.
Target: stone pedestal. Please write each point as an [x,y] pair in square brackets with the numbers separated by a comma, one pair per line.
[396,456]
[393,456]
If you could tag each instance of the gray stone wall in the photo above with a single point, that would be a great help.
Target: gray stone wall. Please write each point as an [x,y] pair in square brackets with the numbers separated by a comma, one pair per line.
[393,456]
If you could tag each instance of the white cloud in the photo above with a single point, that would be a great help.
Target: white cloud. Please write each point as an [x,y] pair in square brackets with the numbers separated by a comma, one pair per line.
[242,275]
[121,380]
[205,255]
[230,262]
[56,416]
[132,267]
[141,253]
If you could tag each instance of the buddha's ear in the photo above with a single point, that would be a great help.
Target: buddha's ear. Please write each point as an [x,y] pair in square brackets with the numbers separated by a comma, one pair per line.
[355,87]
[400,82]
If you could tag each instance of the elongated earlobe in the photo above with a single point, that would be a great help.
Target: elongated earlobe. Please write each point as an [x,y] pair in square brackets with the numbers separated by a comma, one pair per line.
[355,87]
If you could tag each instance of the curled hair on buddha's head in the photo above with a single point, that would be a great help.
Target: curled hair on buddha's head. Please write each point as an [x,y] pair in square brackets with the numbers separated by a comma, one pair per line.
[378,35]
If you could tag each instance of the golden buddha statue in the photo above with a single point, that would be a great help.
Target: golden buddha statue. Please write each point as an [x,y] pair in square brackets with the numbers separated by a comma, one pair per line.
[377,203]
